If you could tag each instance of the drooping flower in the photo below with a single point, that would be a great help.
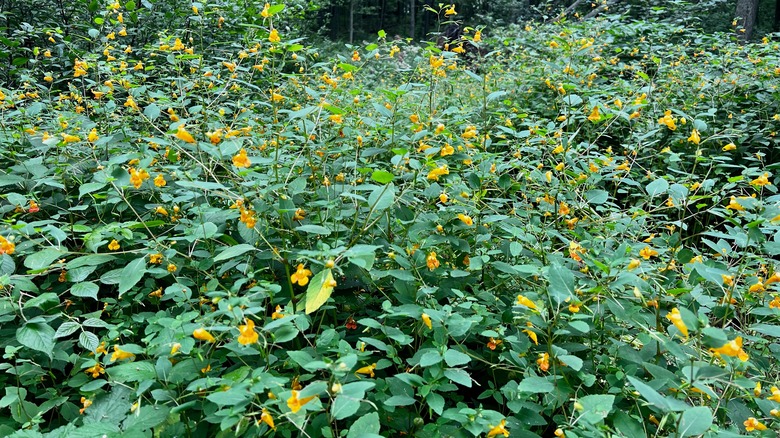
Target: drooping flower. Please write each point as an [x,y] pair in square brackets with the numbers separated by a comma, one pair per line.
[450,11]
[466,219]
[761,181]
[594,116]
[575,251]
[498,430]
[752,424]
[93,135]
[775,394]
[202,334]
[265,416]
[183,135]
[265,13]
[248,334]
[241,159]
[274,36]
[277,313]
[676,318]
[85,402]
[120,354]
[301,275]
[775,303]
[67,138]
[732,348]
[543,362]
[114,245]
[159,180]
[477,36]
[668,120]
[95,370]
[295,404]
[435,173]
[525,302]
[493,343]
[734,205]
[633,264]
[532,335]
[426,319]
[366,370]
[694,138]
[6,246]
[729,147]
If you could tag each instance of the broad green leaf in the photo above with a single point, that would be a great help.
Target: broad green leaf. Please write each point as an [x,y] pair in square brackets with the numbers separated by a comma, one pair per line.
[37,336]
[85,289]
[344,407]
[131,274]
[43,258]
[382,176]
[596,407]
[561,283]
[535,384]
[654,398]
[234,251]
[87,188]
[132,372]
[695,421]
[313,229]
[455,358]
[319,290]
[66,329]
[364,426]
[657,187]
[381,198]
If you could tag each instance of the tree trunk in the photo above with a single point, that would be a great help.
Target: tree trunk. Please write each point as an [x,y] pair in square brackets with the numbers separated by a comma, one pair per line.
[411,18]
[747,11]
[351,21]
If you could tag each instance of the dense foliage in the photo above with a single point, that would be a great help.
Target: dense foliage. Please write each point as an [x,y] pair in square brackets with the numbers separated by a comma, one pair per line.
[567,230]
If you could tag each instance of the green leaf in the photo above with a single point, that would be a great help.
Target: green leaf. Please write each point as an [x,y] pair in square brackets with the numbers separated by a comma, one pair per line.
[381,34]
[459,376]
[320,288]
[132,372]
[66,329]
[382,197]
[382,176]
[570,361]
[234,251]
[695,421]
[85,289]
[596,408]
[43,258]
[37,336]
[364,426]
[561,283]
[654,398]
[535,384]
[596,197]
[152,111]
[455,358]
[344,407]
[275,9]
[436,402]
[90,187]
[657,187]
[131,274]
[313,229]
[231,397]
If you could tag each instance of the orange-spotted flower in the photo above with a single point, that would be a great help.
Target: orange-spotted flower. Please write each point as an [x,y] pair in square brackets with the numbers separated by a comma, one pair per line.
[594,116]
[295,404]
[366,370]
[761,181]
[248,334]
[432,261]
[543,362]
[732,348]
[114,245]
[202,334]
[277,313]
[532,335]
[301,275]
[274,36]
[96,371]
[159,180]
[86,403]
[493,343]
[775,394]
[633,264]
[694,138]
[676,318]
[120,354]
[775,303]
[498,430]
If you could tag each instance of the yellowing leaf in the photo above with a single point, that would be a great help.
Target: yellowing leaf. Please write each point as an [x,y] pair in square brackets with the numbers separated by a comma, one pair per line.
[320,288]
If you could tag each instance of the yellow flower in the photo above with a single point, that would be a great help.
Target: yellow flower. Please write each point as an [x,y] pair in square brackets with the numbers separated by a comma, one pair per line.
[761,181]
[734,205]
[775,394]
[367,370]
[295,404]
[183,135]
[120,354]
[775,303]
[432,261]
[336,118]
[435,173]
[159,180]
[248,334]
[477,36]
[728,280]
[525,302]
[86,403]
[752,424]
[648,252]
[265,416]
[443,198]
[447,150]
[498,430]
[694,138]
[67,138]
[729,147]
[277,313]
[633,264]
[465,219]
[532,335]
[594,115]
[543,362]
[93,135]
[301,275]
[96,371]
[676,318]
[241,159]
[668,120]
[426,320]
[161,211]
[274,36]
[574,308]
[114,245]
[155,258]
[171,268]
[450,11]
[757,389]
[732,348]
[202,334]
